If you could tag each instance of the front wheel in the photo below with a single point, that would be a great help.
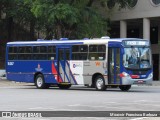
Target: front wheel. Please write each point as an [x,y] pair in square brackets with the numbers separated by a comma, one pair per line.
[125,87]
[100,83]
[40,83]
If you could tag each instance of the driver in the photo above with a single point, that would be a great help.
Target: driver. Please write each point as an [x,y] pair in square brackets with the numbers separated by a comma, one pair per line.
[134,55]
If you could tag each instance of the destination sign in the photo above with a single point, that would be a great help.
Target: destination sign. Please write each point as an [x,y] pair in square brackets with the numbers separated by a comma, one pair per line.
[136,43]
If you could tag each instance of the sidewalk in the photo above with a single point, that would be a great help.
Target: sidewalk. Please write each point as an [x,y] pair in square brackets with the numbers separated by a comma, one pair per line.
[156,83]
[2,72]
[4,82]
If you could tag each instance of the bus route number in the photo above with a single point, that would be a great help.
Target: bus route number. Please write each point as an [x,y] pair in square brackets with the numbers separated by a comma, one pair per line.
[10,63]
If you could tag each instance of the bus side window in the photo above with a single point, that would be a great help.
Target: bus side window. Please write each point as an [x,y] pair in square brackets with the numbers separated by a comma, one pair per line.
[36,49]
[12,49]
[21,49]
[101,48]
[12,57]
[12,53]
[43,49]
[41,52]
[83,48]
[28,49]
[21,57]
[93,52]
[75,48]
[97,52]
[51,52]
[101,52]
[79,52]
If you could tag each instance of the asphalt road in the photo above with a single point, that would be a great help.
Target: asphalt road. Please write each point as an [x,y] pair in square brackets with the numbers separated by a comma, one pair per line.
[25,97]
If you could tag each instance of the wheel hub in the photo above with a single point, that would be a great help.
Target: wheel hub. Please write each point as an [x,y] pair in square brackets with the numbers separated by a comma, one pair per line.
[99,83]
[39,82]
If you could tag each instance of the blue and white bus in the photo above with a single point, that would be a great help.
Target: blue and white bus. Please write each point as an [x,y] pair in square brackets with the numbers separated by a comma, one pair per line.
[99,63]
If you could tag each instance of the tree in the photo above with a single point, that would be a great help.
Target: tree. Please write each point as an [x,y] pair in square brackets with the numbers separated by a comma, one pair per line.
[58,18]
[72,18]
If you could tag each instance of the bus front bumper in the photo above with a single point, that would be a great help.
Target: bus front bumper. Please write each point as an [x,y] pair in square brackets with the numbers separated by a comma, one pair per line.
[130,81]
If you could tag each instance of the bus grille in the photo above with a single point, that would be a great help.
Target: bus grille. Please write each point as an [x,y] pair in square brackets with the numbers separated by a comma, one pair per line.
[140,72]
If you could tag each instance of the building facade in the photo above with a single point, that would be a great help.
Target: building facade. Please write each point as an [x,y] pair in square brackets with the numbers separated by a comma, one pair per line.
[140,19]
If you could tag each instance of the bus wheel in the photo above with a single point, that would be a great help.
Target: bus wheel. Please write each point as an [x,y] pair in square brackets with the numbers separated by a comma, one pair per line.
[125,87]
[64,86]
[100,83]
[39,81]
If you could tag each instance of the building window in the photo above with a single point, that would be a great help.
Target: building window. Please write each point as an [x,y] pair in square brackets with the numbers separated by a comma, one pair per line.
[132,3]
[111,4]
[154,35]
[156,2]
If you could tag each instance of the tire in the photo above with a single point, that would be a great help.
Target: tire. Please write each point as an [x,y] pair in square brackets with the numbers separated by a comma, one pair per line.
[40,83]
[100,83]
[125,87]
[64,86]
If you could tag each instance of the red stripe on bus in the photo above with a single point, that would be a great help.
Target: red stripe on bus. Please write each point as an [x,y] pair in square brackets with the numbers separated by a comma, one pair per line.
[54,71]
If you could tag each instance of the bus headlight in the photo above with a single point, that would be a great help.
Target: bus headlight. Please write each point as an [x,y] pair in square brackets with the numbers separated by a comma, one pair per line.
[124,74]
[150,75]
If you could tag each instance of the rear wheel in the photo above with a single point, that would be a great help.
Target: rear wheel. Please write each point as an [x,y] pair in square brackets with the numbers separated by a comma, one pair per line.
[64,86]
[40,83]
[125,87]
[100,83]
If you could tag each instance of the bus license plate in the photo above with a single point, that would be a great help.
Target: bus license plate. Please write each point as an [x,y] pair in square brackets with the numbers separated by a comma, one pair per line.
[140,81]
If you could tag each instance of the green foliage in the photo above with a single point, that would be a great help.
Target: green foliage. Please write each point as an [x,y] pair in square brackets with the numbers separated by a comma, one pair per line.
[60,18]
[91,24]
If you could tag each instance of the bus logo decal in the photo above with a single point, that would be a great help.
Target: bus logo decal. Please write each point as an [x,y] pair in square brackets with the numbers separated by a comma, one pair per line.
[39,68]
[77,65]
[97,63]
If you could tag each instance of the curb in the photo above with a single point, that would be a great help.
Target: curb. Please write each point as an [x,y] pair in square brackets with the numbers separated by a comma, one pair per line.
[3,78]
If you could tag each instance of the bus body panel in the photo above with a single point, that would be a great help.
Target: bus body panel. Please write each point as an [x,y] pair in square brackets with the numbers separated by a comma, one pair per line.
[61,69]
[94,67]
[24,71]
[77,70]
[21,77]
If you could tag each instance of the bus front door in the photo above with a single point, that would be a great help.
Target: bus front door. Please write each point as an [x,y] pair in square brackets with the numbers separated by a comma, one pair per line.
[114,66]
[63,65]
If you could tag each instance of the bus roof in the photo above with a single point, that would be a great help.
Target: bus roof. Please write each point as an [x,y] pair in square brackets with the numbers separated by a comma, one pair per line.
[68,42]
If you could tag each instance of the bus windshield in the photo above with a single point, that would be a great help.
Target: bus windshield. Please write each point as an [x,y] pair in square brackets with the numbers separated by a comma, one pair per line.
[137,57]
